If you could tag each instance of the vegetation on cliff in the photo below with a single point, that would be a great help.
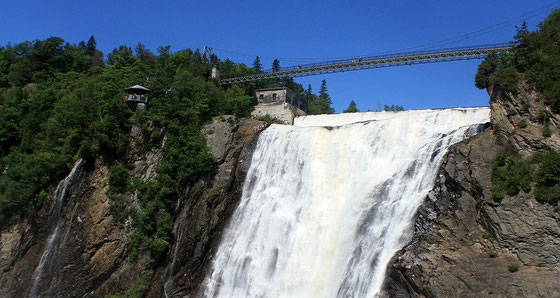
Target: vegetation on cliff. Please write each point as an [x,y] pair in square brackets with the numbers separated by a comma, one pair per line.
[536,60]
[512,174]
[536,57]
[60,102]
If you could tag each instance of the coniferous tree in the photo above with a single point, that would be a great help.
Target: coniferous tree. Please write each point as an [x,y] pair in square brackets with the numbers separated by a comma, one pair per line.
[91,46]
[143,54]
[323,91]
[393,108]
[276,65]
[121,57]
[352,108]
[257,66]
[322,103]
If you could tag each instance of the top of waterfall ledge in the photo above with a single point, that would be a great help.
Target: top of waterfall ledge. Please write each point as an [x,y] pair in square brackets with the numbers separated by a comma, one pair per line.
[475,115]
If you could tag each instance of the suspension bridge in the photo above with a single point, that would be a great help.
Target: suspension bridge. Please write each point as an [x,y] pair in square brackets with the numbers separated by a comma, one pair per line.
[378,61]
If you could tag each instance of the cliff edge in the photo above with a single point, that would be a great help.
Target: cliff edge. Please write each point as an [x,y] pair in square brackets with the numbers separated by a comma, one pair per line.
[467,244]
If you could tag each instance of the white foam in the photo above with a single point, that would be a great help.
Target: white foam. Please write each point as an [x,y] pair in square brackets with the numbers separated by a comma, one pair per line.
[324,210]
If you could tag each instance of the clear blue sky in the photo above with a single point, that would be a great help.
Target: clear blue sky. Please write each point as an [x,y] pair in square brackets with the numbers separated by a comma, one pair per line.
[294,29]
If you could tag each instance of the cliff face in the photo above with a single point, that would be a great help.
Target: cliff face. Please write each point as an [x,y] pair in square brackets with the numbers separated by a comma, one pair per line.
[204,212]
[73,254]
[464,243]
[467,245]
[86,255]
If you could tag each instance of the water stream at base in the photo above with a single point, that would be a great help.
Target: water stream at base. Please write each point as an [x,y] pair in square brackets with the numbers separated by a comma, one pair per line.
[327,202]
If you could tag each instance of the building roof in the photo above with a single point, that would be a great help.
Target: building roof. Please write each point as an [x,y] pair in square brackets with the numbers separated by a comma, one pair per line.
[137,88]
[271,89]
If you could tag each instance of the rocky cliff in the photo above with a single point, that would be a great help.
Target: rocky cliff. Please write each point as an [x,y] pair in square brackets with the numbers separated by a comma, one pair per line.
[82,250]
[467,245]
[464,244]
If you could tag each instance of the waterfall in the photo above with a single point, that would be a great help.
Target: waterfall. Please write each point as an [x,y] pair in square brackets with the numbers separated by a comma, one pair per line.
[54,244]
[327,202]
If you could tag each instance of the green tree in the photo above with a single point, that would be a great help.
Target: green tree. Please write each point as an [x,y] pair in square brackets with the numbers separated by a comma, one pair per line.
[393,108]
[257,66]
[351,108]
[121,57]
[91,46]
[485,69]
[321,104]
[276,65]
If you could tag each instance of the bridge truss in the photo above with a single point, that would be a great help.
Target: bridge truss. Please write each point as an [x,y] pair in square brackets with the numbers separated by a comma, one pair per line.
[358,63]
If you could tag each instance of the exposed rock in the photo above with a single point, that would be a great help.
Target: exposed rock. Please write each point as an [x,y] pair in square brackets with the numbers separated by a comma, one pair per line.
[466,245]
[93,245]
[510,112]
[207,206]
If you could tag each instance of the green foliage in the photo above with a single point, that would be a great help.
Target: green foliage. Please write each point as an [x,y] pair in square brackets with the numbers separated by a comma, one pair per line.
[118,179]
[492,254]
[319,104]
[546,132]
[513,268]
[269,119]
[352,108]
[118,186]
[486,68]
[138,290]
[60,102]
[74,108]
[121,57]
[257,66]
[392,108]
[25,175]
[536,55]
[505,78]
[548,177]
[276,65]
[512,173]
[522,123]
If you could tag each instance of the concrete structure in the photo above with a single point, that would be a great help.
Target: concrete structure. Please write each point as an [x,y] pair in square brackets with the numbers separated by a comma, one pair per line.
[280,103]
[136,98]
[215,73]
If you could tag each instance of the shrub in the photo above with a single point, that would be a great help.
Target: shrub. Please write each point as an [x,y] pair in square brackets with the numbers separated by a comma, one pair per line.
[546,131]
[548,177]
[511,112]
[492,254]
[118,179]
[522,124]
[510,175]
[513,268]
[505,78]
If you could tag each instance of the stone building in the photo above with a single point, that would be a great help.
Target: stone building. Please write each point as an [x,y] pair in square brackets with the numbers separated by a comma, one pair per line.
[280,103]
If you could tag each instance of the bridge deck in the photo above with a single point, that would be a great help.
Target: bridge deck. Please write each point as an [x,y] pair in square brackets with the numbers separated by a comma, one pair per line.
[357,63]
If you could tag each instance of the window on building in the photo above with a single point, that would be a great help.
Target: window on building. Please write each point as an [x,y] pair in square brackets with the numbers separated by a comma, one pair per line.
[261,96]
[273,96]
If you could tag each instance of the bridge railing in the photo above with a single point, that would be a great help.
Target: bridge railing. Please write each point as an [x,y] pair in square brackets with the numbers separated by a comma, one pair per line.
[396,55]
[424,56]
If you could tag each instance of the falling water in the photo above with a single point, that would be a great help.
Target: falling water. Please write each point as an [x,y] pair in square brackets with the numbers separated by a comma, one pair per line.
[324,209]
[54,243]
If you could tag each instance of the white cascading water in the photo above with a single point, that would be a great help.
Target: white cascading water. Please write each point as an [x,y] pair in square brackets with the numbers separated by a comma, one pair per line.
[54,244]
[324,209]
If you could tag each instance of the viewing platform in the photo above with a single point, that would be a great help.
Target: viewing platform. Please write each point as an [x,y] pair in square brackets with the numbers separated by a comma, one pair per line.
[136,98]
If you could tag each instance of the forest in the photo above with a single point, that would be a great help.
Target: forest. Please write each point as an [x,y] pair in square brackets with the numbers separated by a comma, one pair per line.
[60,102]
